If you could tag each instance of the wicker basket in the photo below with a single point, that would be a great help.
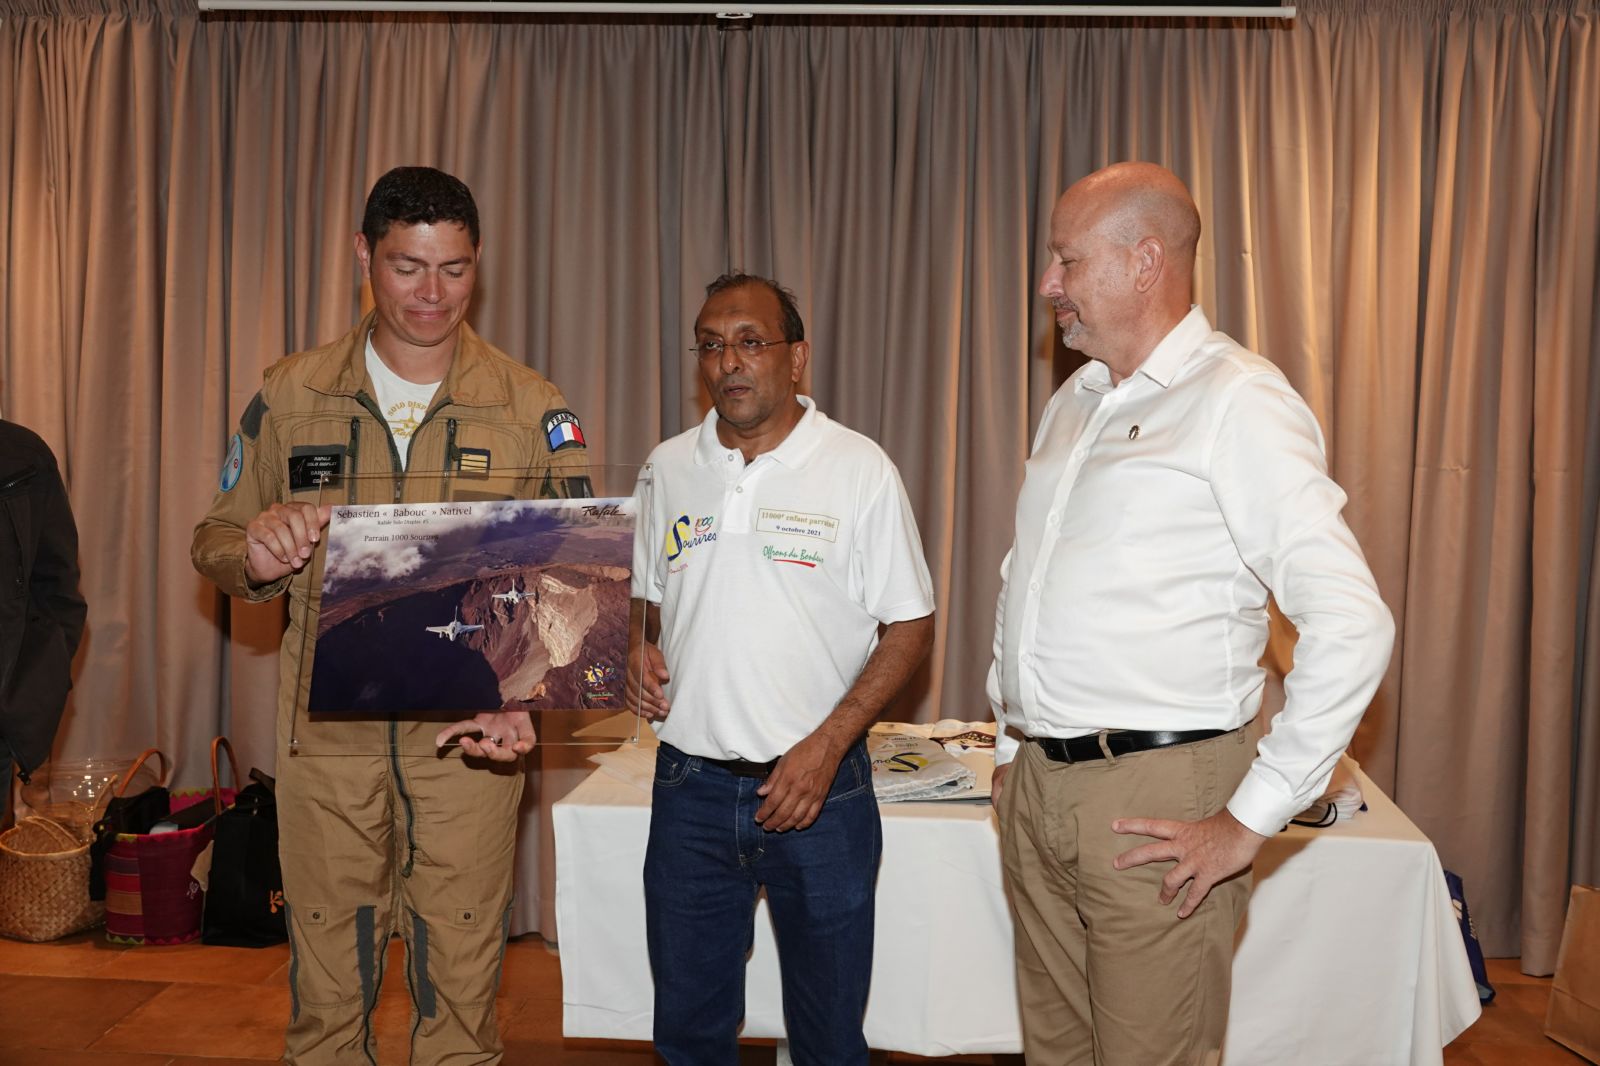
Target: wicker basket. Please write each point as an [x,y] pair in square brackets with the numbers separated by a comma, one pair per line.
[44,882]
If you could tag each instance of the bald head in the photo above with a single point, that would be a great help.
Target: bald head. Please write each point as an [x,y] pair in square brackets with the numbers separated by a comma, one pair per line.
[1122,244]
[1128,202]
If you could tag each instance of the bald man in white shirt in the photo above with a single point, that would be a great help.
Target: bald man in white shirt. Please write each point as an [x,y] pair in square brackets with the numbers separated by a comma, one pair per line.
[1176,480]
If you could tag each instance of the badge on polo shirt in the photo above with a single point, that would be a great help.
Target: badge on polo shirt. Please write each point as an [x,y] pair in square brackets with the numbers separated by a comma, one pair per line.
[686,533]
[561,430]
[797,524]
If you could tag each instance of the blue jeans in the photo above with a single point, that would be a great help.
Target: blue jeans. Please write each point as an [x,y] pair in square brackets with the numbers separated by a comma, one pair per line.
[707,861]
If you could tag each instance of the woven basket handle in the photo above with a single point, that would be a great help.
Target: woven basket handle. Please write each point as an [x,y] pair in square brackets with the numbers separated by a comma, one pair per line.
[60,830]
[216,780]
[161,778]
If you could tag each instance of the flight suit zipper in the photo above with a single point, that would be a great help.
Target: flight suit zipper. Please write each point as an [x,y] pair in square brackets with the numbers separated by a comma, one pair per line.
[399,468]
[353,456]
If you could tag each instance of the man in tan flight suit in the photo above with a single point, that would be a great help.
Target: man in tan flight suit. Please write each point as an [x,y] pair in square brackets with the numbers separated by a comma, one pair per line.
[384,828]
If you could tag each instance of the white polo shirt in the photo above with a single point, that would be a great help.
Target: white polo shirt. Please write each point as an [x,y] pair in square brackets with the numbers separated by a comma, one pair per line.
[772,578]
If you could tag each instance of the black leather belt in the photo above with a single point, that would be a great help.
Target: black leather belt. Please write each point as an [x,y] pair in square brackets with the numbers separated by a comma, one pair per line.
[1123,742]
[742,767]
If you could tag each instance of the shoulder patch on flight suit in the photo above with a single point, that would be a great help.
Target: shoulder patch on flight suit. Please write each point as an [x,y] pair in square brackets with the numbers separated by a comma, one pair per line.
[561,429]
[250,421]
[233,465]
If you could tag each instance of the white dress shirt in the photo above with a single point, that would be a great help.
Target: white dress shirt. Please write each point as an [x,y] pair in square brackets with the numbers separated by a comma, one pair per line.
[1155,517]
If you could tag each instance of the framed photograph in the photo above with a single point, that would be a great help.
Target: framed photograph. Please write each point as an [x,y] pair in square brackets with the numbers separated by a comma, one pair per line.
[474,606]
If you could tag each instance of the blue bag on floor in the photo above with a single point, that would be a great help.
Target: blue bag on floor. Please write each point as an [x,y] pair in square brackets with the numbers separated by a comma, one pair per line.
[1469,935]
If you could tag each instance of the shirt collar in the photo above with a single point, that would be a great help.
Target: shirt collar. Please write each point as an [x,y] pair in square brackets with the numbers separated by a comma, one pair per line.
[474,379]
[1164,360]
[794,450]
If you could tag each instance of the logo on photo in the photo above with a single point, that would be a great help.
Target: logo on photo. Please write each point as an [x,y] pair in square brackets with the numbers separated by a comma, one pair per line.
[597,679]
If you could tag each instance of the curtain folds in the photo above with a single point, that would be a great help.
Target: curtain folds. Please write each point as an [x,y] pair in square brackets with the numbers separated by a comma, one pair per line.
[1400,210]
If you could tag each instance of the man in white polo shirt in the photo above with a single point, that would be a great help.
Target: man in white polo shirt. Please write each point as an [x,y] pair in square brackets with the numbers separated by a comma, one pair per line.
[785,601]
[1175,480]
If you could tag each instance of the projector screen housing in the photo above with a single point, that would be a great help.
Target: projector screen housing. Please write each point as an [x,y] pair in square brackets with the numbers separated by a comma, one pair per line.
[749,10]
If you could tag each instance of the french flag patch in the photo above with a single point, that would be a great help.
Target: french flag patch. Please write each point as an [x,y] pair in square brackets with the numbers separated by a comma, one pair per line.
[561,430]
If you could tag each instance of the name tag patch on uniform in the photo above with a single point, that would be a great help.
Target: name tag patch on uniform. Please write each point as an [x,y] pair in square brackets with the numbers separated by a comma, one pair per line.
[310,467]
[472,460]
[561,429]
[233,465]
[797,524]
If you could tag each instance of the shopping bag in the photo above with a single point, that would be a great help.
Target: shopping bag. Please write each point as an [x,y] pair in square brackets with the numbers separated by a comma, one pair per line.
[152,896]
[121,813]
[1469,936]
[244,896]
[1573,1017]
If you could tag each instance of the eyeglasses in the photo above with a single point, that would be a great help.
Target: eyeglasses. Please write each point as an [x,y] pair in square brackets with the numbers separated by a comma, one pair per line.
[746,346]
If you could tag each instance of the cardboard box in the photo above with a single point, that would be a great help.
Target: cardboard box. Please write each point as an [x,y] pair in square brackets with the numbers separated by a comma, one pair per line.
[1574,1015]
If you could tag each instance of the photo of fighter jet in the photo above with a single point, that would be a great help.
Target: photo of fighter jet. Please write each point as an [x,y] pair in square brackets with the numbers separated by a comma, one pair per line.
[466,607]
[515,596]
[454,629]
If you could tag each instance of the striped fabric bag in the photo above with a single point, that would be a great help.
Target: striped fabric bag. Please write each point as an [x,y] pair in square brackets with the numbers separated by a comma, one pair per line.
[152,895]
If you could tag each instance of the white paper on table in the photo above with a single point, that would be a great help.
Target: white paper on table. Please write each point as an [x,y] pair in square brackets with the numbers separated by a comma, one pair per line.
[968,750]
[631,764]
[1343,794]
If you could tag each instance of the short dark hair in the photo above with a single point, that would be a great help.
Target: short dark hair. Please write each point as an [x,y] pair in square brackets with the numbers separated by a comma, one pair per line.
[793,328]
[410,195]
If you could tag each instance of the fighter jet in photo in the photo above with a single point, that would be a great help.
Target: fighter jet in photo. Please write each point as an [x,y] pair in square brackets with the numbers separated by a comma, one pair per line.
[514,597]
[454,629]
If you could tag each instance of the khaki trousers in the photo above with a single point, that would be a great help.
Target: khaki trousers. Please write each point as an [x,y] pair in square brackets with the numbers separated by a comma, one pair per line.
[376,845]
[1106,975]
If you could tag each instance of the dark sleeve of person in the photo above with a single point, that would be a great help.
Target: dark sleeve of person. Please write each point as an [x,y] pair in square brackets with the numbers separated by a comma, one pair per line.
[54,584]
[44,612]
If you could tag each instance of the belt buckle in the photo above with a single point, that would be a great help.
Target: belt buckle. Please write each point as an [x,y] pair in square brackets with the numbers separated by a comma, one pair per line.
[1056,750]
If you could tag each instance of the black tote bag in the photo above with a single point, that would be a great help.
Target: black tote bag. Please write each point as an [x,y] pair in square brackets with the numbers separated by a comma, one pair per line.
[244,898]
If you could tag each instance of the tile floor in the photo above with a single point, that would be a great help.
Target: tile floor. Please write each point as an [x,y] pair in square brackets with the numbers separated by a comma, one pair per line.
[83,1002]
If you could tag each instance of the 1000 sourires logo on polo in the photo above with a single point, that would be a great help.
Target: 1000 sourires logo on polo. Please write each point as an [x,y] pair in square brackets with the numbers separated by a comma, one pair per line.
[797,556]
[797,524]
[686,533]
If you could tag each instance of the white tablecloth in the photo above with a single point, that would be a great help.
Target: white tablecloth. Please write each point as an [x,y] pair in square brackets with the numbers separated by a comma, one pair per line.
[1350,955]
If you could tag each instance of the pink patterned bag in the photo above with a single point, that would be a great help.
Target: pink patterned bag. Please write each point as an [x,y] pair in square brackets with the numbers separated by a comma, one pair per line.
[152,896]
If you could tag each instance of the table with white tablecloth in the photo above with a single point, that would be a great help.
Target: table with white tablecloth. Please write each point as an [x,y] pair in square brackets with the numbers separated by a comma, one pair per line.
[1350,956]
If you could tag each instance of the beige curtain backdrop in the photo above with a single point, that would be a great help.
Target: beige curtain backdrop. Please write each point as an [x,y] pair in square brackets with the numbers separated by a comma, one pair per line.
[1400,209]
